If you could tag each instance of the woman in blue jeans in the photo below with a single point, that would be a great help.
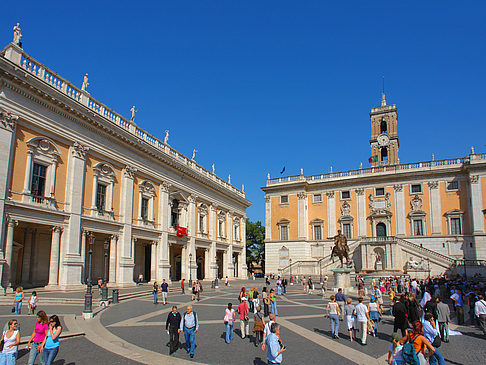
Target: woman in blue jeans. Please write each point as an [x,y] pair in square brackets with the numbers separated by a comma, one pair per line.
[375,314]
[19,295]
[50,345]
[229,320]
[332,312]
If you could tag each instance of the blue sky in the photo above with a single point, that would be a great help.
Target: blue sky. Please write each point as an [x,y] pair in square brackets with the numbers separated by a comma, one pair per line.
[258,85]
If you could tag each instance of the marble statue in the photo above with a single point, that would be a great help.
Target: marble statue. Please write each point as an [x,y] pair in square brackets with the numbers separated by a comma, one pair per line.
[133,111]
[194,151]
[229,179]
[212,167]
[340,248]
[302,172]
[85,83]
[166,138]
[268,176]
[243,187]
[412,264]
[17,34]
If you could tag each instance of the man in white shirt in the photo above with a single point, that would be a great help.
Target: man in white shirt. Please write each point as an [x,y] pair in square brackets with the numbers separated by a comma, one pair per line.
[267,329]
[480,312]
[363,317]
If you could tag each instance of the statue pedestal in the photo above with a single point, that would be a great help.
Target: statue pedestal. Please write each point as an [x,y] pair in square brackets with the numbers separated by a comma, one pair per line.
[342,279]
[379,266]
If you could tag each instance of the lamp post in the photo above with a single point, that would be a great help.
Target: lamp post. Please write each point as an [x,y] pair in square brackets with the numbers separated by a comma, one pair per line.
[104,288]
[320,271]
[291,281]
[190,270]
[88,297]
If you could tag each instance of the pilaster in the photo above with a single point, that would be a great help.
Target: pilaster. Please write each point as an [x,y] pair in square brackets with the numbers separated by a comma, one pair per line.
[400,222]
[435,207]
[163,261]
[361,210]
[302,215]
[268,218]
[126,252]
[54,258]
[331,213]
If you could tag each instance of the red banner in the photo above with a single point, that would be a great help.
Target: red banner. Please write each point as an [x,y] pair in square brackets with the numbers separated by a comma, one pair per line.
[181,231]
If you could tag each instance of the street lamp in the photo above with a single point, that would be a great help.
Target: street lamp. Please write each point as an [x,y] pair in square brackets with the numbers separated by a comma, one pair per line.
[291,281]
[104,288]
[88,297]
[190,270]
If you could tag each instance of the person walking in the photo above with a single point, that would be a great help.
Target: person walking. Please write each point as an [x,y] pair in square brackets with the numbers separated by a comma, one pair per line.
[156,292]
[332,312]
[50,345]
[361,286]
[19,296]
[226,281]
[172,328]
[229,319]
[37,337]
[189,325]
[273,302]
[395,351]
[182,286]
[274,350]
[279,286]
[199,290]
[33,302]
[432,334]
[480,312]
[242,294]
[244,319]
[164,290]
[459,306]
[340,300]
[284,286]
[362,316]
[266,331]
[11,340]
[266,302]
[350,318]
[256,299]
[375,314]
[400,313]
[258,326]
[420,343]
[443,319]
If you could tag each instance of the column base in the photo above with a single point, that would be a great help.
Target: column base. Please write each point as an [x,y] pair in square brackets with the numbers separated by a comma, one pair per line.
[87,315]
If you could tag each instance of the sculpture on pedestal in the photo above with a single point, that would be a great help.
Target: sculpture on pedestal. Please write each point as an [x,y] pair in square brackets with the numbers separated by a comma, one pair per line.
[166,138]
[133,111]
[17,35]
[85,83]
[340,248]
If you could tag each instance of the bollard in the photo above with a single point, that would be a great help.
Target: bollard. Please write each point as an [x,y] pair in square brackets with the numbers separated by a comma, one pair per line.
[115,296]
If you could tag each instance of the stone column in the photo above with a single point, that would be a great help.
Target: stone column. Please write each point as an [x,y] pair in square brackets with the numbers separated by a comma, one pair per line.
[164,249]
[84,242]
[213,265]
[113,259]
[435,207]
[27,254]
[213,222]
[207,272]
[229,234]
[361,212]
[302,215]
[11,224]
[54,259]
[476,218]
[184,260]
[126,262]
[28,172]
[153,262]
[243,267]
[399,210]
[191,211]
[52,188]
[268,218]
[331,214]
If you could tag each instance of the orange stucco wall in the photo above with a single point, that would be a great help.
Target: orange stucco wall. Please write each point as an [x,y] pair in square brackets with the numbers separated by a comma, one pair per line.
[289,212]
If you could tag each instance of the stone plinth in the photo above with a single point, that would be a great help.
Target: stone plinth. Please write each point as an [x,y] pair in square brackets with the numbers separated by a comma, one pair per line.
[342,278]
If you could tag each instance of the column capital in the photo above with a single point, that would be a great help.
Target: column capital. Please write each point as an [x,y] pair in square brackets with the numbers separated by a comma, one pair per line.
[129,172]
[330,194]
[8,120]
[192,199]
[268,198]
[433,184]
[473,179]
[359,191]
[12,222]
[57,229]
[79,150]
[301,195]
[164,187]
[398,187]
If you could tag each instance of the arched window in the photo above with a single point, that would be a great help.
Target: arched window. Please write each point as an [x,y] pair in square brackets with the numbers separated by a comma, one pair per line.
[381,230]
[103,181]
[174,213]
[384,154]
[383,126]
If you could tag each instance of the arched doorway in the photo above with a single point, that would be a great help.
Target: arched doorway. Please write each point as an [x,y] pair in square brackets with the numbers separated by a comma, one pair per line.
[381,230]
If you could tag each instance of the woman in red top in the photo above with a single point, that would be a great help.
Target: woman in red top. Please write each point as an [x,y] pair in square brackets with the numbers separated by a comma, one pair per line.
[40,331]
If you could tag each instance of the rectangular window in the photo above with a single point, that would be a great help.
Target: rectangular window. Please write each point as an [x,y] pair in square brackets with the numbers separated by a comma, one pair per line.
[38,180]
[380,191]
[345,194]
[456,226]
[347,230]
[453,185]
[100,196]
[418,228]
[284,233]
[317,198]
[416,188]
[201,223]
[144,208]
[318,232]
[284,199]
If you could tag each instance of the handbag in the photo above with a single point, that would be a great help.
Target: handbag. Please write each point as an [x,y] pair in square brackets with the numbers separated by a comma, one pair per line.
[437,341]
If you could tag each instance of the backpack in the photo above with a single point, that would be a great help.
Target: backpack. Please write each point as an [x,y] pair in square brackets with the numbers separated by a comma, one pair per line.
[409,354]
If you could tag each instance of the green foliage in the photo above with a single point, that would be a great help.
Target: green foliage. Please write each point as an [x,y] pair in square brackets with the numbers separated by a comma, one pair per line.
[255,244]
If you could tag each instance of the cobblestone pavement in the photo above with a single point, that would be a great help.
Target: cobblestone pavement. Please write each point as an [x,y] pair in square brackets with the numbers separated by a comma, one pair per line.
[133,332]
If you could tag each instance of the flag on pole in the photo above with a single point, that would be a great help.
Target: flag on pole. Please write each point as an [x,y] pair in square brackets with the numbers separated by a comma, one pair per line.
[283,170]
[373,159]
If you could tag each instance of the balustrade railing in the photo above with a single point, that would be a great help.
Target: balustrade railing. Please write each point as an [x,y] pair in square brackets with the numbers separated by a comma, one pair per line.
[43,73]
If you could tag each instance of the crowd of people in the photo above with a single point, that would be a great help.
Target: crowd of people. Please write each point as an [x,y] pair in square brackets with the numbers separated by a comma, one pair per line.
[44,340]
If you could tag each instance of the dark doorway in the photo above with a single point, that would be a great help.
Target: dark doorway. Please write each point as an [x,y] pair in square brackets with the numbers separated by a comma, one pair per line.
[381,230]
[148,262]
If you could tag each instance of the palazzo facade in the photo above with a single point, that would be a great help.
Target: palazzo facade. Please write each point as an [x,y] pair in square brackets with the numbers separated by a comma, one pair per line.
[398,218]
[75,177]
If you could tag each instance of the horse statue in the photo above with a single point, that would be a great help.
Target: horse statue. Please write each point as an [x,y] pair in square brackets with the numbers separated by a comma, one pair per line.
[340,248]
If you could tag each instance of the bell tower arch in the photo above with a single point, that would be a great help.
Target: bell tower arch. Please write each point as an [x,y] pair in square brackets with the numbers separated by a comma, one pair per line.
[384,134]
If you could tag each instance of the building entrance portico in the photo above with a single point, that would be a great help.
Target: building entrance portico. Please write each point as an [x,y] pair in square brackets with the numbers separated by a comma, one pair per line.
[175,262]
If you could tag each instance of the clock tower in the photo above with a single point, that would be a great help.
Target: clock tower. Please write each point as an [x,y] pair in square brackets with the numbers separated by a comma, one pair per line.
[384,137]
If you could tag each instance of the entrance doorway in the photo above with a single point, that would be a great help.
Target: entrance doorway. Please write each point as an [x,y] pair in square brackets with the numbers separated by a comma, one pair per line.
[143,261]
[381,230]
[175,262]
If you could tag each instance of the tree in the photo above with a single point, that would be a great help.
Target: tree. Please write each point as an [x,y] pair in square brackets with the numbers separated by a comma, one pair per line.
[255,244]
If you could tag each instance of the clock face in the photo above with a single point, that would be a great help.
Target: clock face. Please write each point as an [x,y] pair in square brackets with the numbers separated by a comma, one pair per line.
[383,140]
